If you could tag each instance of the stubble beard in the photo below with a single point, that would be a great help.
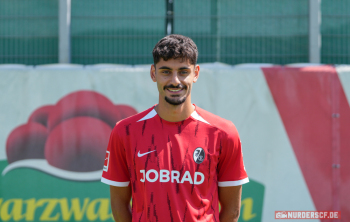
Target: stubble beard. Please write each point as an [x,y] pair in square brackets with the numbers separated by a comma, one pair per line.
[175,101]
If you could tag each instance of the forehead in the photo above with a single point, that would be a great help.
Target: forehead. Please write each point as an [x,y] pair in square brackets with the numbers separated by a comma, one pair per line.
[174,63]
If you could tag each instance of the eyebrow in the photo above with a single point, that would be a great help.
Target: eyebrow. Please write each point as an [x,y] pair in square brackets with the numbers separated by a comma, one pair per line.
[181,68]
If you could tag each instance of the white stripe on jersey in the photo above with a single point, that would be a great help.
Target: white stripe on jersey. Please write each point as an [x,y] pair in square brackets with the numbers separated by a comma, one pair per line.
[150,115]
[115,183]
[233,183]
[196,116]
[153,113]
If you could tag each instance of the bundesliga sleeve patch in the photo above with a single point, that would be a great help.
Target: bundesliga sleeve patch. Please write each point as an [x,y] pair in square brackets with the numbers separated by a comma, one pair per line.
[105,166]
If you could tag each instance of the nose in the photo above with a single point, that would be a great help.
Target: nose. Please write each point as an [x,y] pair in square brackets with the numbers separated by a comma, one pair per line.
[175,79]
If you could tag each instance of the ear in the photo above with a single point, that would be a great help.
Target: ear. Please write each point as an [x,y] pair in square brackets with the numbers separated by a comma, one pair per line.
[153,73]
[196,73]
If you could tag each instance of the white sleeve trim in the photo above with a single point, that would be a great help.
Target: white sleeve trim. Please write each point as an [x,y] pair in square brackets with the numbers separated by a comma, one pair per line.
[114,183]
[233,183]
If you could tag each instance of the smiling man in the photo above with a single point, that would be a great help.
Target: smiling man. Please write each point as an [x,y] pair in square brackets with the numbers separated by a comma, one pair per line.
[176,160]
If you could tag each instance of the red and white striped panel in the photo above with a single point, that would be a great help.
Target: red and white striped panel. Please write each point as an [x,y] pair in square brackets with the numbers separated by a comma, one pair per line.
[295,128]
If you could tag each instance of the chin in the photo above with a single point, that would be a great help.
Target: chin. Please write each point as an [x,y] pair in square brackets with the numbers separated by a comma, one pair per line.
[175,102]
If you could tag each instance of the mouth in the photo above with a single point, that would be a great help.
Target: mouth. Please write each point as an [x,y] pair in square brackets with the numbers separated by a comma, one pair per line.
[175,90]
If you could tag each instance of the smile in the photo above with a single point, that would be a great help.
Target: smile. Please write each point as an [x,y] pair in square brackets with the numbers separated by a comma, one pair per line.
[174,90]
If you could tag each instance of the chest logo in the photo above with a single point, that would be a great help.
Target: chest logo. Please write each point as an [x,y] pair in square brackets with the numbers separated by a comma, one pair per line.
[198,155]
[140,155]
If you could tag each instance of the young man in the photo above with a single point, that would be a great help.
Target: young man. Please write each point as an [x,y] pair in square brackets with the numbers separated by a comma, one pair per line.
[177,161]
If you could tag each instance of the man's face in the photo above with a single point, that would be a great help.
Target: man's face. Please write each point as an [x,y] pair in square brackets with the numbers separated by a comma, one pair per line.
[174,79]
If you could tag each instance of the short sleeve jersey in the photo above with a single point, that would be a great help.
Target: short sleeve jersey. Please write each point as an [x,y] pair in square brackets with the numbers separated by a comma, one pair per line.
[174,168]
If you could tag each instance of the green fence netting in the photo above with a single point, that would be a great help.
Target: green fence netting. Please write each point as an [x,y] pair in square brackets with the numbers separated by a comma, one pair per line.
[335,31]
[124,32]
[29,31]
[254,31]
[111,31]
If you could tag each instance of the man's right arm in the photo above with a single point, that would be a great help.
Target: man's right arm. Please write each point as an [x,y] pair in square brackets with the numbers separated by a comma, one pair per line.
[120,203]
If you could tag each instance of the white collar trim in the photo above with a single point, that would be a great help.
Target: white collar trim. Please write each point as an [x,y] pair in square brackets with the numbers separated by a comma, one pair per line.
[196,116]
[153,113]
[150,115]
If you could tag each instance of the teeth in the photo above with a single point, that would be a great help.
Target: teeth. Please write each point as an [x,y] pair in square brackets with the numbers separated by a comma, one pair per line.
[174,90]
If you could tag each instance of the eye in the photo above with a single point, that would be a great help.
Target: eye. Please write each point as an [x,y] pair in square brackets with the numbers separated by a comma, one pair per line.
[184,72]
[165,71]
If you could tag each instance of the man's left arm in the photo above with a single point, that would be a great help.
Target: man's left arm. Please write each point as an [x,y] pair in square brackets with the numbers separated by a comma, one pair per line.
[230,201]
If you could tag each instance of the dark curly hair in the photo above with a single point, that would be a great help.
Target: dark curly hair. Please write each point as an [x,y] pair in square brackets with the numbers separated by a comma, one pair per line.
[175,47]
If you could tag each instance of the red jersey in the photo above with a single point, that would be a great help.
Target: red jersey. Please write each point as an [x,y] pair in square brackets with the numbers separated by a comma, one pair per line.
[174,168]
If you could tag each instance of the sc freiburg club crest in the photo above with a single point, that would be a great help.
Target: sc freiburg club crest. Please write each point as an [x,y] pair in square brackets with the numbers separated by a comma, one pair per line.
[198,155]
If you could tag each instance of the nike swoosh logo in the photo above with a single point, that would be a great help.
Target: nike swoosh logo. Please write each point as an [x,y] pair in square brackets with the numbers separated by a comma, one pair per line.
[140,155]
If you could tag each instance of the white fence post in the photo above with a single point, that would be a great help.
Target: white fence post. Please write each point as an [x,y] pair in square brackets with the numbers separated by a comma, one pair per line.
[315,31]
[215,27]
[64,18]
[169,26]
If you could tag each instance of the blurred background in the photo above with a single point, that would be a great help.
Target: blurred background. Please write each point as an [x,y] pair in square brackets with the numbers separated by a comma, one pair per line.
[70,69]
[124,32]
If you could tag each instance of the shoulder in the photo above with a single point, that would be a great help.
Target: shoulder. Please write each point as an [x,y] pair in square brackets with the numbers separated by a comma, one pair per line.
[123,124]
[222,124]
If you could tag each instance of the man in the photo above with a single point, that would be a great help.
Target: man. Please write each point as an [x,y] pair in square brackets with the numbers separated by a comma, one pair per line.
[176,160]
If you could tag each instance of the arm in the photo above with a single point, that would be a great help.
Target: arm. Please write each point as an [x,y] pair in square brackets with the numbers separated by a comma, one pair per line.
[120,203]
[230,200]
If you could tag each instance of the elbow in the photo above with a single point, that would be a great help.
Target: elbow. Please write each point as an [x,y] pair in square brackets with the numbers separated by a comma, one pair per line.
[120,210]
[235,215]
[231,215]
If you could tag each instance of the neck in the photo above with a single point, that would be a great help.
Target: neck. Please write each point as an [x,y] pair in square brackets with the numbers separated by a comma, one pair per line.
[173,113]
